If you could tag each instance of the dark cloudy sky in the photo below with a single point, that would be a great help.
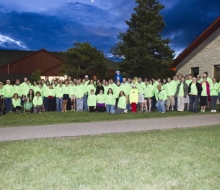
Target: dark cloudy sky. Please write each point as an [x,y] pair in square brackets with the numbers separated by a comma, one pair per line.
[56,24]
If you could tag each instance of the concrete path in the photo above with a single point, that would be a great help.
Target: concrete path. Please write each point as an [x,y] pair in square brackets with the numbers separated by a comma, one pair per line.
[97,128]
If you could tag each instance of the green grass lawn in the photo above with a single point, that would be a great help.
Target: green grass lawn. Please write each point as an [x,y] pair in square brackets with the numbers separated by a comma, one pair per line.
[12,119]
[186,159]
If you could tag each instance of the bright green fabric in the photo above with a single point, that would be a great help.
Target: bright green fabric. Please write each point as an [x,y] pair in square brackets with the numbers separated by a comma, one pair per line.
[204,91]
[51,92]
[59,92]
[162,95]
[37,101]
[214,89]
[194,90]
[170,89]
[141,87]
[91,101]
[110,99]
[122,102]
[91,87]
[125,87]
[149,91]
[8,91]
[181,90]
[17,89]
[65,89]
[16,102]
[100,98]
[79,91]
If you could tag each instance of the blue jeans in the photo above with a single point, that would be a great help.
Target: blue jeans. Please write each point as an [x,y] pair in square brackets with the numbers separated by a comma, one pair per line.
[193,103]
[59,102]
[110,108]
[8,104]
[160,105]
[176,103]
[85,106]
[46,103]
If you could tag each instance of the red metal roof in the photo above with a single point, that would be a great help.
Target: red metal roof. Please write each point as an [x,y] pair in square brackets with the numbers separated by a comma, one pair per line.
[201,38]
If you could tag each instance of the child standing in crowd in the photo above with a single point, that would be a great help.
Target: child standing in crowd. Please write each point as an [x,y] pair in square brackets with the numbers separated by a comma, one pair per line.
[28,106]
[91,102]
[8,93]
[100,102]
[161,98]
[133,98]
[37,103]
[16,102]
[110,101]
[121,103]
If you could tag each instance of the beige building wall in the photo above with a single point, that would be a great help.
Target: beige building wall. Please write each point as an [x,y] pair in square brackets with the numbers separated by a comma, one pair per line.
[205,56]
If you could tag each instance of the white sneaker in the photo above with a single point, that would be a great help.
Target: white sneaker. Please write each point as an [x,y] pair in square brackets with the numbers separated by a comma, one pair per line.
[212,110]
[125,111]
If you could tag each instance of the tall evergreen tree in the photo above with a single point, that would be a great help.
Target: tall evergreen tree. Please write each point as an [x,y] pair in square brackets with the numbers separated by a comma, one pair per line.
[144,51]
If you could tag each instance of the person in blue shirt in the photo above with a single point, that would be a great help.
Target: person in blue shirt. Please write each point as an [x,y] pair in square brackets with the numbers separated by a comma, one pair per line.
[118,77]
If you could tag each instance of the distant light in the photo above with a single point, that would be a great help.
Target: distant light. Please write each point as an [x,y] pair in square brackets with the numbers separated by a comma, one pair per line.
[92,1]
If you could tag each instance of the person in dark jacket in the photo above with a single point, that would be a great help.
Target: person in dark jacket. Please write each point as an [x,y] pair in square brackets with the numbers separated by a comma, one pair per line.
[98,88]
[194,91]
[181,93]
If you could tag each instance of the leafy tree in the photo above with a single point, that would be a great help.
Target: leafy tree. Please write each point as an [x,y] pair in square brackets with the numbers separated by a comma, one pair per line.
[35,76]
[84,59]
[144,51]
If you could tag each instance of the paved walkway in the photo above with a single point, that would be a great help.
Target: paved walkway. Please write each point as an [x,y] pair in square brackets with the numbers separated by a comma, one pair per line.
[97,128]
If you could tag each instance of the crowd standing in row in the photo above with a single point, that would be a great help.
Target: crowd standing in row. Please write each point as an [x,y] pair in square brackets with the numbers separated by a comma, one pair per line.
[179,93]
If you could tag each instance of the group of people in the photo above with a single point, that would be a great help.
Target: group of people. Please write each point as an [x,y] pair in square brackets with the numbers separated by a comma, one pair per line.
[114,96]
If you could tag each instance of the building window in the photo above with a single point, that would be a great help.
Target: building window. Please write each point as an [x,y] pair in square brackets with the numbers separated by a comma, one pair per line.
[195,71]
[217,72]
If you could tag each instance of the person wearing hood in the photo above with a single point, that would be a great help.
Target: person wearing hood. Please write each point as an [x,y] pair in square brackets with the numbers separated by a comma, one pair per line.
[133,98]
[118,77]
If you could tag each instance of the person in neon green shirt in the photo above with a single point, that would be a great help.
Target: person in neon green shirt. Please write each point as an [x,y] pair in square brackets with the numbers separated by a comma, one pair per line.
[38,103]
[79,96]
[28,106]
[72,95]
[8,93]
[170,90]
[91,102]
[85,96]
[65,95]
[161,98]
[100,101]
[17,88]
[214,88]
[121,103]
[133,98]
[148,96]
[16,102]
[59,97]
[110,101]
[181,93]
[141,91]
[205,94]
